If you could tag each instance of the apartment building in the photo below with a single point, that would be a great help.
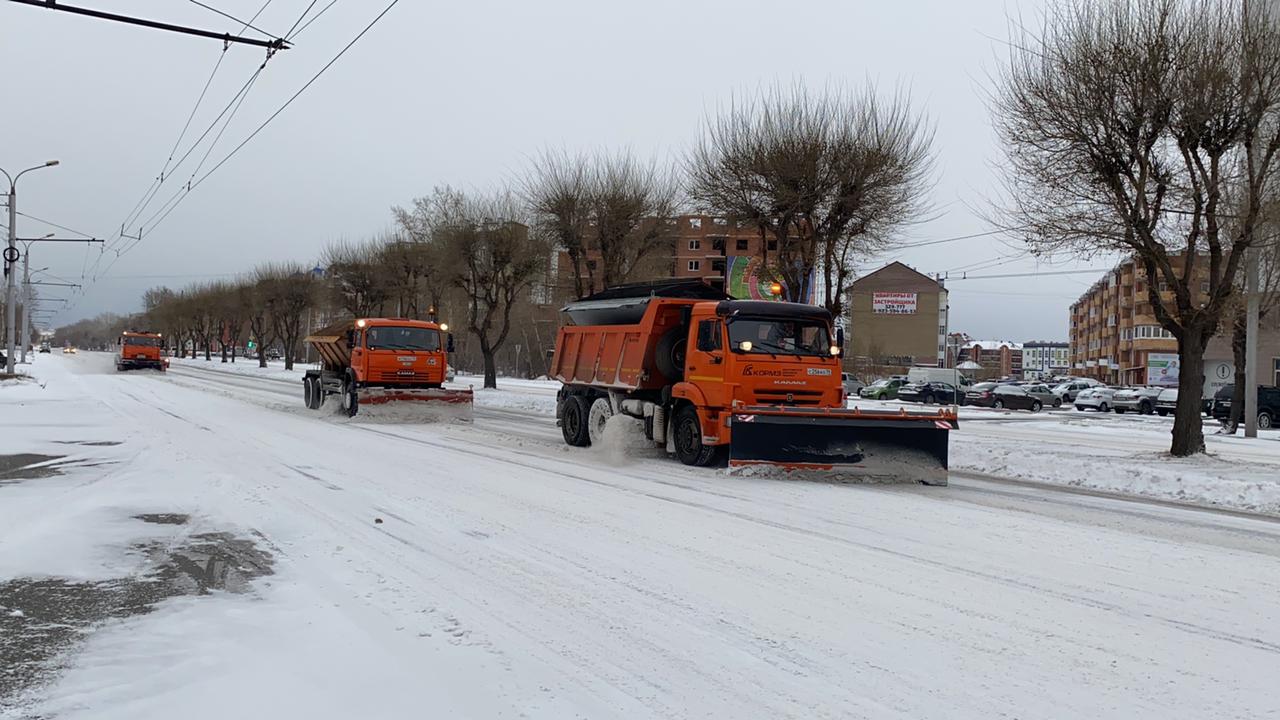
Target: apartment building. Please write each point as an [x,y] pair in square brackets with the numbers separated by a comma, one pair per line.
[1045,359]
[996,358]
[1116,338]
[898,318]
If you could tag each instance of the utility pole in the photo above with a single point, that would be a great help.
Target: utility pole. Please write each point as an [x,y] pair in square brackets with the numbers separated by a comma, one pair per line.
[26,301]
[1251,343]
[10,258]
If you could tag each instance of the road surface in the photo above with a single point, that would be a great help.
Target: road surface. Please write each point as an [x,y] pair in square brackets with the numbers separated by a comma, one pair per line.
[489,571]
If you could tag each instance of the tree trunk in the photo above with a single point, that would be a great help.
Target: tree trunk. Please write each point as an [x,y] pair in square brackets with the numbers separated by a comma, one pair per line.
[1188,426]
[207,354]
[262,357]
[224,351]
[1239,334]
[490,366]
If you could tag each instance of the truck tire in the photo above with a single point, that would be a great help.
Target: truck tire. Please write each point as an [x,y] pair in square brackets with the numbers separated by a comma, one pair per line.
[308,393]
[573,421]
[688,439]
[350,398]
[597,417]
[668,355]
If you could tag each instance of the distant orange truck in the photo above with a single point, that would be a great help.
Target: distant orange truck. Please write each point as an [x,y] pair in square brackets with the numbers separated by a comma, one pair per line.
[141,350]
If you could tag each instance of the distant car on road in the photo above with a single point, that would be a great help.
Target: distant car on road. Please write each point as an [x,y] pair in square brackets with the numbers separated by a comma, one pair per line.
[1096,398]
[44,348]
[1141,400]
[68,350]
[882,389]
[929,393]
[1268,406]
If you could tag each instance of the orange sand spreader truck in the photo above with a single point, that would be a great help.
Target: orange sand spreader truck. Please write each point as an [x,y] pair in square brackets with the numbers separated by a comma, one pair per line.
[756,381]
[395,367]
[140,349]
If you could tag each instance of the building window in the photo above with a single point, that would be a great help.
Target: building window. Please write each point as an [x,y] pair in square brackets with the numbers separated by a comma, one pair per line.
[742,244]
[591,264]
[1204,287]
[772,245]
[721,221]
[1275,362]
[718,244]
[695,265]
[1164,286]
[695,244]
[717,266]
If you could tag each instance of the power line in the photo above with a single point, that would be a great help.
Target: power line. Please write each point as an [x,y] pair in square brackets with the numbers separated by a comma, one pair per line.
[273,44]
[235,19]
[315,17]
[1026,274]
[53,224]
[300,17]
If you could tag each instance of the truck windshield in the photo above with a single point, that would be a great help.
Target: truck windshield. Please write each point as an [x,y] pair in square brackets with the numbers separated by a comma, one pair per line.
[773,336]
[402,338]
[143,341]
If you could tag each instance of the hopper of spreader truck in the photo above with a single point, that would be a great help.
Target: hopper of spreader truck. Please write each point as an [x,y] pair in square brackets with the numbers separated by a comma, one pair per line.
[412,405]
[881,445]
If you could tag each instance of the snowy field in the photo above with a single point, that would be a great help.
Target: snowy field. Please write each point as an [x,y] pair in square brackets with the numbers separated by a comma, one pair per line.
[198,545]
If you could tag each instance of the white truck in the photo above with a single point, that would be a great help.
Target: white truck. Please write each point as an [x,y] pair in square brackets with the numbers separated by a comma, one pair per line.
[949,376]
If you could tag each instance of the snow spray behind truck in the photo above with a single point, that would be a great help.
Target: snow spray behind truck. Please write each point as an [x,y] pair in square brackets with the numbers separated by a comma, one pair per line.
[706,373]
[394,365]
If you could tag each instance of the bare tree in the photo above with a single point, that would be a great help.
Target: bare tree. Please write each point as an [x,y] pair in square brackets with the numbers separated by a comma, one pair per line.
[359,277]
[493,260]
[290,291]
[1125,126]
[826,178]
[613,207]
[258,314]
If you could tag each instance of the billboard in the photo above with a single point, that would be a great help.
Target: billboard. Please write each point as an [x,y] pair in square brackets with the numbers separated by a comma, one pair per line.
[1162,369]
[893,303]
[746,279]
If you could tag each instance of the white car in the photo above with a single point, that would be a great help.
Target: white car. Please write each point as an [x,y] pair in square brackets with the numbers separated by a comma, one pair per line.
[1096,398]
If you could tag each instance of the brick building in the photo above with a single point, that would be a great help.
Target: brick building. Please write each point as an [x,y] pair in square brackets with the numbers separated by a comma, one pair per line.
[998,358]
[897,318]
[1116,338]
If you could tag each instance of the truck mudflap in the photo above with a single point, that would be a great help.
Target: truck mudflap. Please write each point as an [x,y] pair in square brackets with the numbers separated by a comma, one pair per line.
[416,405]
[895,446]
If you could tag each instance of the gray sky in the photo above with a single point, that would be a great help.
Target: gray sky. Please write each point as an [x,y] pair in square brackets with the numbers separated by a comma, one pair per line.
[461,93]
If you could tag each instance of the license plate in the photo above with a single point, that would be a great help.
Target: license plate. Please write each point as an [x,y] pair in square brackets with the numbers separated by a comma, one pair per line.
[820,371]
[141,356]
[405,372]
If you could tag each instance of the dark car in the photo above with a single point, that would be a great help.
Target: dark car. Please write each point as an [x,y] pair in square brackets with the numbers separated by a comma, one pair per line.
[1268,406]
[928,393]
[996,395]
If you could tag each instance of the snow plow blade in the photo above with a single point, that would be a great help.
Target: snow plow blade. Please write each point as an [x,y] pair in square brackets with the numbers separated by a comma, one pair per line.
[416,405]
[864,444]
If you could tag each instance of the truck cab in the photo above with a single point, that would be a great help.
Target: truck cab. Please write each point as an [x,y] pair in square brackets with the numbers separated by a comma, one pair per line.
[398,352]
[743,353]
[139,349]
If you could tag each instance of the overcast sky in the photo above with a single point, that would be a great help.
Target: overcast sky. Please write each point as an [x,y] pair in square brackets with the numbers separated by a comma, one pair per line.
[461,93]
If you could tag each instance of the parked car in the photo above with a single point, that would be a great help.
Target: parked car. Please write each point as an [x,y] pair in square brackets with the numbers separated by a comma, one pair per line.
[1043,393]
[1268,406]
[274,354]
[929,393]
[852,385]
[1001,396]
[1167,402]
[1098,398]
[1067,391]
[1141,400]
[882,389]
[44,348]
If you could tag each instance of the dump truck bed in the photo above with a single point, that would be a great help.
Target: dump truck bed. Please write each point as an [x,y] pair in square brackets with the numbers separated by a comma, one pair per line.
[620,357]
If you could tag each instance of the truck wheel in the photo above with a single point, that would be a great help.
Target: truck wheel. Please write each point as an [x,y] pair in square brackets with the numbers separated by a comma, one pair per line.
[668,355]
[688,439]
[597,417]
[350,399]
[573,421]
[308,393]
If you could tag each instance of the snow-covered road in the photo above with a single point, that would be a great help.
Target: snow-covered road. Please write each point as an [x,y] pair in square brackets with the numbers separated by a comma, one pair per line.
[488,571]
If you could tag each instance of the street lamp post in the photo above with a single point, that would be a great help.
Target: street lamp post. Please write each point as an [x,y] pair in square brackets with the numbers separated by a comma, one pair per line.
[23,334]
[10,256]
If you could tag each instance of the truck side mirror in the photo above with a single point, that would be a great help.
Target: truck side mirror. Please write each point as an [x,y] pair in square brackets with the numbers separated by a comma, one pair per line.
[448,343]
[351,338]
[840,338]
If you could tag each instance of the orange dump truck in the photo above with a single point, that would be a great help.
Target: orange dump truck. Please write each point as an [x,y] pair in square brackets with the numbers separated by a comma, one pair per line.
[140,350]
[384,363]
[710,376]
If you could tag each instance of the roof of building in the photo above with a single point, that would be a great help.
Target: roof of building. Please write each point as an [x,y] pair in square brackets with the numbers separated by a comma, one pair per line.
[994,344]
[899,269]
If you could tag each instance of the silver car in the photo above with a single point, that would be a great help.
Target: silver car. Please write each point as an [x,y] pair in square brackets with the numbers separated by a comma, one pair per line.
[1043,393]
[851,384]
[1141,400]
[1095,398]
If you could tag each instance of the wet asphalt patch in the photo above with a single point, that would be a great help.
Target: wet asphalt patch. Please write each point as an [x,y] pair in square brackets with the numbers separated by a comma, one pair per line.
[28,466]
[43,620]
